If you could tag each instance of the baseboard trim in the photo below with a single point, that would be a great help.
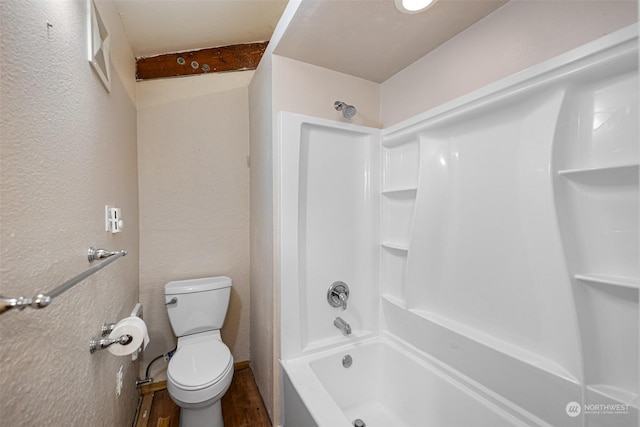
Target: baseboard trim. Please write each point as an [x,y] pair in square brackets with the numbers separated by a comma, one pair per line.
[241,365]
[153,387]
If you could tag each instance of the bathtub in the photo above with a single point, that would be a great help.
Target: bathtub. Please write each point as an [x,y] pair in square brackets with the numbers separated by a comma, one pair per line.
[388,384]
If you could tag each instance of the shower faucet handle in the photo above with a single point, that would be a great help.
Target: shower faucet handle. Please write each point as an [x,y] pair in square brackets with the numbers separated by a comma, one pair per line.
[338,294]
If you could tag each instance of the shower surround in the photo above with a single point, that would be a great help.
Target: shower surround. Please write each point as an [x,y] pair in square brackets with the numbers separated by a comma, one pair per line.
[492,241]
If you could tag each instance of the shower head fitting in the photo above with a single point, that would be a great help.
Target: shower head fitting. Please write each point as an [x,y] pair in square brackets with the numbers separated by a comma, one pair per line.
[348,111]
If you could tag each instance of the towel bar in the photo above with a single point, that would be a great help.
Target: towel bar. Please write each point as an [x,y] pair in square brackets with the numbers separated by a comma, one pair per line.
[43,300]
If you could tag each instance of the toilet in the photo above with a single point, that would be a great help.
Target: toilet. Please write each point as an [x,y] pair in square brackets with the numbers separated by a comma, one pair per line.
[201,369]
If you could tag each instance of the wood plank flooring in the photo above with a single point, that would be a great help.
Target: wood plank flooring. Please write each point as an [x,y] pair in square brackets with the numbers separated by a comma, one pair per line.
[241,405]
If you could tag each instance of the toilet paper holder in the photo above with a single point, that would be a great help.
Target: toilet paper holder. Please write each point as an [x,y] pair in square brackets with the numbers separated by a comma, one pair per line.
[107,328]
[102,343]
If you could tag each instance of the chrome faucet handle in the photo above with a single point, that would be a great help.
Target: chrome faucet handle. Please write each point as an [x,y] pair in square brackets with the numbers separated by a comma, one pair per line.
[343,300]
[338,294]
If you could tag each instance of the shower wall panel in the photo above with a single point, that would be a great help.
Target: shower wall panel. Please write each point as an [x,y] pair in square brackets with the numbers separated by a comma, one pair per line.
[497,234]
[330,188]
[496,256]
[597,198]
[516,244]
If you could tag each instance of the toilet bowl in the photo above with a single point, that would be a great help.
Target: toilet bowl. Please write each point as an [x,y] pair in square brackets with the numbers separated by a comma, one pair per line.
[201,370]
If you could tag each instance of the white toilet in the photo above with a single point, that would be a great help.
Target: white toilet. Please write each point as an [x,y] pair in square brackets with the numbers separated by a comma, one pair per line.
[200,371]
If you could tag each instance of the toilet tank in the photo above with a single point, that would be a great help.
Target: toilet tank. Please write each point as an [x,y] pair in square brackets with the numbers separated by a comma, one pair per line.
[197,305]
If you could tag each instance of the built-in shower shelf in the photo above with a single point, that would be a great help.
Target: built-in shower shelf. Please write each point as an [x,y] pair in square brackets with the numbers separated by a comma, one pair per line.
[401,192]
[398,138]
[614,175]
[395,246]
[479,336]
[601,279]
[399,302]
[616,394]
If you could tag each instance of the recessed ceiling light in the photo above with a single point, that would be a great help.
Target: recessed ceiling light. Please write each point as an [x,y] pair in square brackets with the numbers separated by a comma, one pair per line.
[413,6]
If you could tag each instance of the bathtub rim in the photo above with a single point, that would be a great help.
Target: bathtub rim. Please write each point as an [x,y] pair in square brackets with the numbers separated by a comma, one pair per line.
[326,412]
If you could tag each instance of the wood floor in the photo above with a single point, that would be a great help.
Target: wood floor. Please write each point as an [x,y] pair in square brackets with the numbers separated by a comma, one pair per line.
[241,405]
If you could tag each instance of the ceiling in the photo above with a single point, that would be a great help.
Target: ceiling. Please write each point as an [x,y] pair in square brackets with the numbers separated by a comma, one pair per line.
[371,39]
[364,38]
[155,27]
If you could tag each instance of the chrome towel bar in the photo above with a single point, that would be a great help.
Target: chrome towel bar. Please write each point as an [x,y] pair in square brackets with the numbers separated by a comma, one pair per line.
[43,300]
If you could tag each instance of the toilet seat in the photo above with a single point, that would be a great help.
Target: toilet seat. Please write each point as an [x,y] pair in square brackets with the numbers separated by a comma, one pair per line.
[199,365]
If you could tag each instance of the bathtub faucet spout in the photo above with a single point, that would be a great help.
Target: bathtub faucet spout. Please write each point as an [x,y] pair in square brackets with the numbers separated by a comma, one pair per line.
[342,325]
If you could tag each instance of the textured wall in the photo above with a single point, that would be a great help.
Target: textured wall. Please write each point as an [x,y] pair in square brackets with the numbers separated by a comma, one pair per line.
[67,148]
[519,35]
[193,143]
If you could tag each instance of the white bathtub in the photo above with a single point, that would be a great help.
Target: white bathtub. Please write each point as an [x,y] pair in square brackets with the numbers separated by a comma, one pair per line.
[387,385]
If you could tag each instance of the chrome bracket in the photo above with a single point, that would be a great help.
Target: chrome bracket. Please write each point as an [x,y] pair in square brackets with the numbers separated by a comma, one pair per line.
[39,301]
[94,254]
[107,328]
[102,343]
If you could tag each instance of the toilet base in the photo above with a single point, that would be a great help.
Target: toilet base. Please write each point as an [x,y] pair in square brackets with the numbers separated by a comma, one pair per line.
[209,416]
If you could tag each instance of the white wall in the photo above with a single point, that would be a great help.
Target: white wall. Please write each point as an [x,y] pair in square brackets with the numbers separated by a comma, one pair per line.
[193,143]
[282,84]
[308,89]
[517,36]
[264,316]
[67,148]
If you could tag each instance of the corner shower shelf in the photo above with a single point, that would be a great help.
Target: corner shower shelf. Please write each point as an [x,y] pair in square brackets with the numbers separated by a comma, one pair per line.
[394,300]
[407,192]
[395,246]
[618,174]
[602,279]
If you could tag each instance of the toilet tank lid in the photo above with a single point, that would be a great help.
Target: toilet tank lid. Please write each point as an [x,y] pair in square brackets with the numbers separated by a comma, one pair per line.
[197,285]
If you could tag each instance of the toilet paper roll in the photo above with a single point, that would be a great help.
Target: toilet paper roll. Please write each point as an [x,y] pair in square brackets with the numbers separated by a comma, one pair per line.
[133,326]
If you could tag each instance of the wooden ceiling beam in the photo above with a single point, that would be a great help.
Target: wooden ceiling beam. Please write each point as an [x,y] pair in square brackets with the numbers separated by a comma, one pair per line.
[237,57]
